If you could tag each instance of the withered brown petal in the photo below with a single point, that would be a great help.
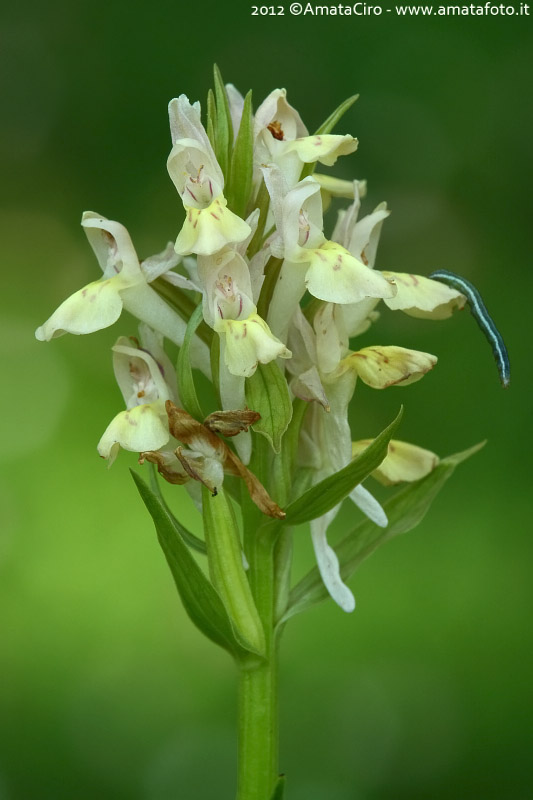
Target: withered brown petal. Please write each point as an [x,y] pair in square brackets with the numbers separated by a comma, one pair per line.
[188,430]
[257,491]
[163,468]
[192,467]
[230,423]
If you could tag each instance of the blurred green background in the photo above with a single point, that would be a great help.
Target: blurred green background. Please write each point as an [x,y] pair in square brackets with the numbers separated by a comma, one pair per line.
[106,690]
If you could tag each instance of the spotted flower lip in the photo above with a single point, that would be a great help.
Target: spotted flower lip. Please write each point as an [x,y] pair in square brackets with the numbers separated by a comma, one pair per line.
[383,366]
[249,342]
[422,297]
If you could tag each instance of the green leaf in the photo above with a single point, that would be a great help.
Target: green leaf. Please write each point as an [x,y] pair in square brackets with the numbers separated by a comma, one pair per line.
[272,270]
[199,598]
[280,788]
[239,184]
[326,494]
[214,354]
[189,538]
[268,394]
[224,555]
[188,396]
[404,511]
[327,126]
[283,467]
[262,202]
[224,126]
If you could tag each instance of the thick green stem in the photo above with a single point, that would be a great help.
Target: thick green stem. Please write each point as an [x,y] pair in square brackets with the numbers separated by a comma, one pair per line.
[258,732]
[258,697]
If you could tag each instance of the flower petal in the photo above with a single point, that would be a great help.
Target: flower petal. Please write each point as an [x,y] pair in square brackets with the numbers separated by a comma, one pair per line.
[383,366]
[195,172]
[248,342]
[404,462]
[368,504]
[232,395]
[133,376]
[236,105]
[325,148]
[98,305]
[422,297]
[364,239]
[112,247]
[186,123]
[168,465]
[336,276]
[156,265]
[275,109]
[328,563]
[308,386]
[207,230]
[141,428]
[338,187]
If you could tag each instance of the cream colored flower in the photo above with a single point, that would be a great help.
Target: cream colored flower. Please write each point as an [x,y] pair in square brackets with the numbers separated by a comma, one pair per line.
[192,165]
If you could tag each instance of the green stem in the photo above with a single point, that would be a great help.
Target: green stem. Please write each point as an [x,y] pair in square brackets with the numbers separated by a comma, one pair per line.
[258,695]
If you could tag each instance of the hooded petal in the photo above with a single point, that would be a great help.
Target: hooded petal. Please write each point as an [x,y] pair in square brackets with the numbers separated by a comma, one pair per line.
[195,173]
[227,287]
[380,367]
[236,105]
[277,116]
[139,376]
[422,297]
[112,247]
[403,462]
[186,123]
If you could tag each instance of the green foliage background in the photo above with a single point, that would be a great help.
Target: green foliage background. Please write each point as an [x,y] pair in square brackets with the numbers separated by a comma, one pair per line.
[106,690]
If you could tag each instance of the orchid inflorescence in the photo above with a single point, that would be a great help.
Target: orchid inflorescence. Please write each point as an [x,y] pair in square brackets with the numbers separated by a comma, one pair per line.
[261,302]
